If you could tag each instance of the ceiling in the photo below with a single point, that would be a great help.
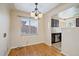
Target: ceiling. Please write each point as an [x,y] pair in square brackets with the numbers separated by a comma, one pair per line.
[28,7]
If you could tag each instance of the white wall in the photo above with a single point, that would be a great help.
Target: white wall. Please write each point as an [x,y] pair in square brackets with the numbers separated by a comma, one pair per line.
[4,28]
[18,40]
[70,41]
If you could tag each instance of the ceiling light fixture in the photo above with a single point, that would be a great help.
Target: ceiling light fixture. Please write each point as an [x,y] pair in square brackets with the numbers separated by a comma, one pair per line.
[36,13]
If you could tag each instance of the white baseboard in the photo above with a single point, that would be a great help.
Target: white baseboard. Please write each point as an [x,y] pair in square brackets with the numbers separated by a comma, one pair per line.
[25,45]
[49,44]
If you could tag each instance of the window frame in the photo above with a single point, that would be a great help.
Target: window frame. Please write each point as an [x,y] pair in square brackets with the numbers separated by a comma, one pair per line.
[21,17]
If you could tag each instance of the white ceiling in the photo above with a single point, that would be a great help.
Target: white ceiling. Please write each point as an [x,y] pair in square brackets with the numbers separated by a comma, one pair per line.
[28,7]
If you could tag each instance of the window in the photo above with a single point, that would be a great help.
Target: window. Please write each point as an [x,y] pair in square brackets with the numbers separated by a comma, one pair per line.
[29,26]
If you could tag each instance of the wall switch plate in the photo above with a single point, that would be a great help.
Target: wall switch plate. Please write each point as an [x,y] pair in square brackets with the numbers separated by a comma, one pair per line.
[5,35]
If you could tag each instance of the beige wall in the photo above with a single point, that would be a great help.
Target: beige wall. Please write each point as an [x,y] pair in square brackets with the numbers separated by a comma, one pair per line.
[17,40]
[4,28]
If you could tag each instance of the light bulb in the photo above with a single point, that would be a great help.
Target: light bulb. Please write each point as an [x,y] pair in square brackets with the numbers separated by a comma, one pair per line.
[40,15]
[36,17]
[32,14]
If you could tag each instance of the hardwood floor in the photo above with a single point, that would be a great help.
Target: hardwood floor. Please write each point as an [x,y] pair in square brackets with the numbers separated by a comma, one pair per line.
[35,50]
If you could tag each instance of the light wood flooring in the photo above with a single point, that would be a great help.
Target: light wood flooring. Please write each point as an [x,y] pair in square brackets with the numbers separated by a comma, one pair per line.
[35,50]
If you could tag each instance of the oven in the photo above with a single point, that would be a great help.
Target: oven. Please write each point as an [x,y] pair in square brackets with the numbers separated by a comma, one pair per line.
[56,37]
